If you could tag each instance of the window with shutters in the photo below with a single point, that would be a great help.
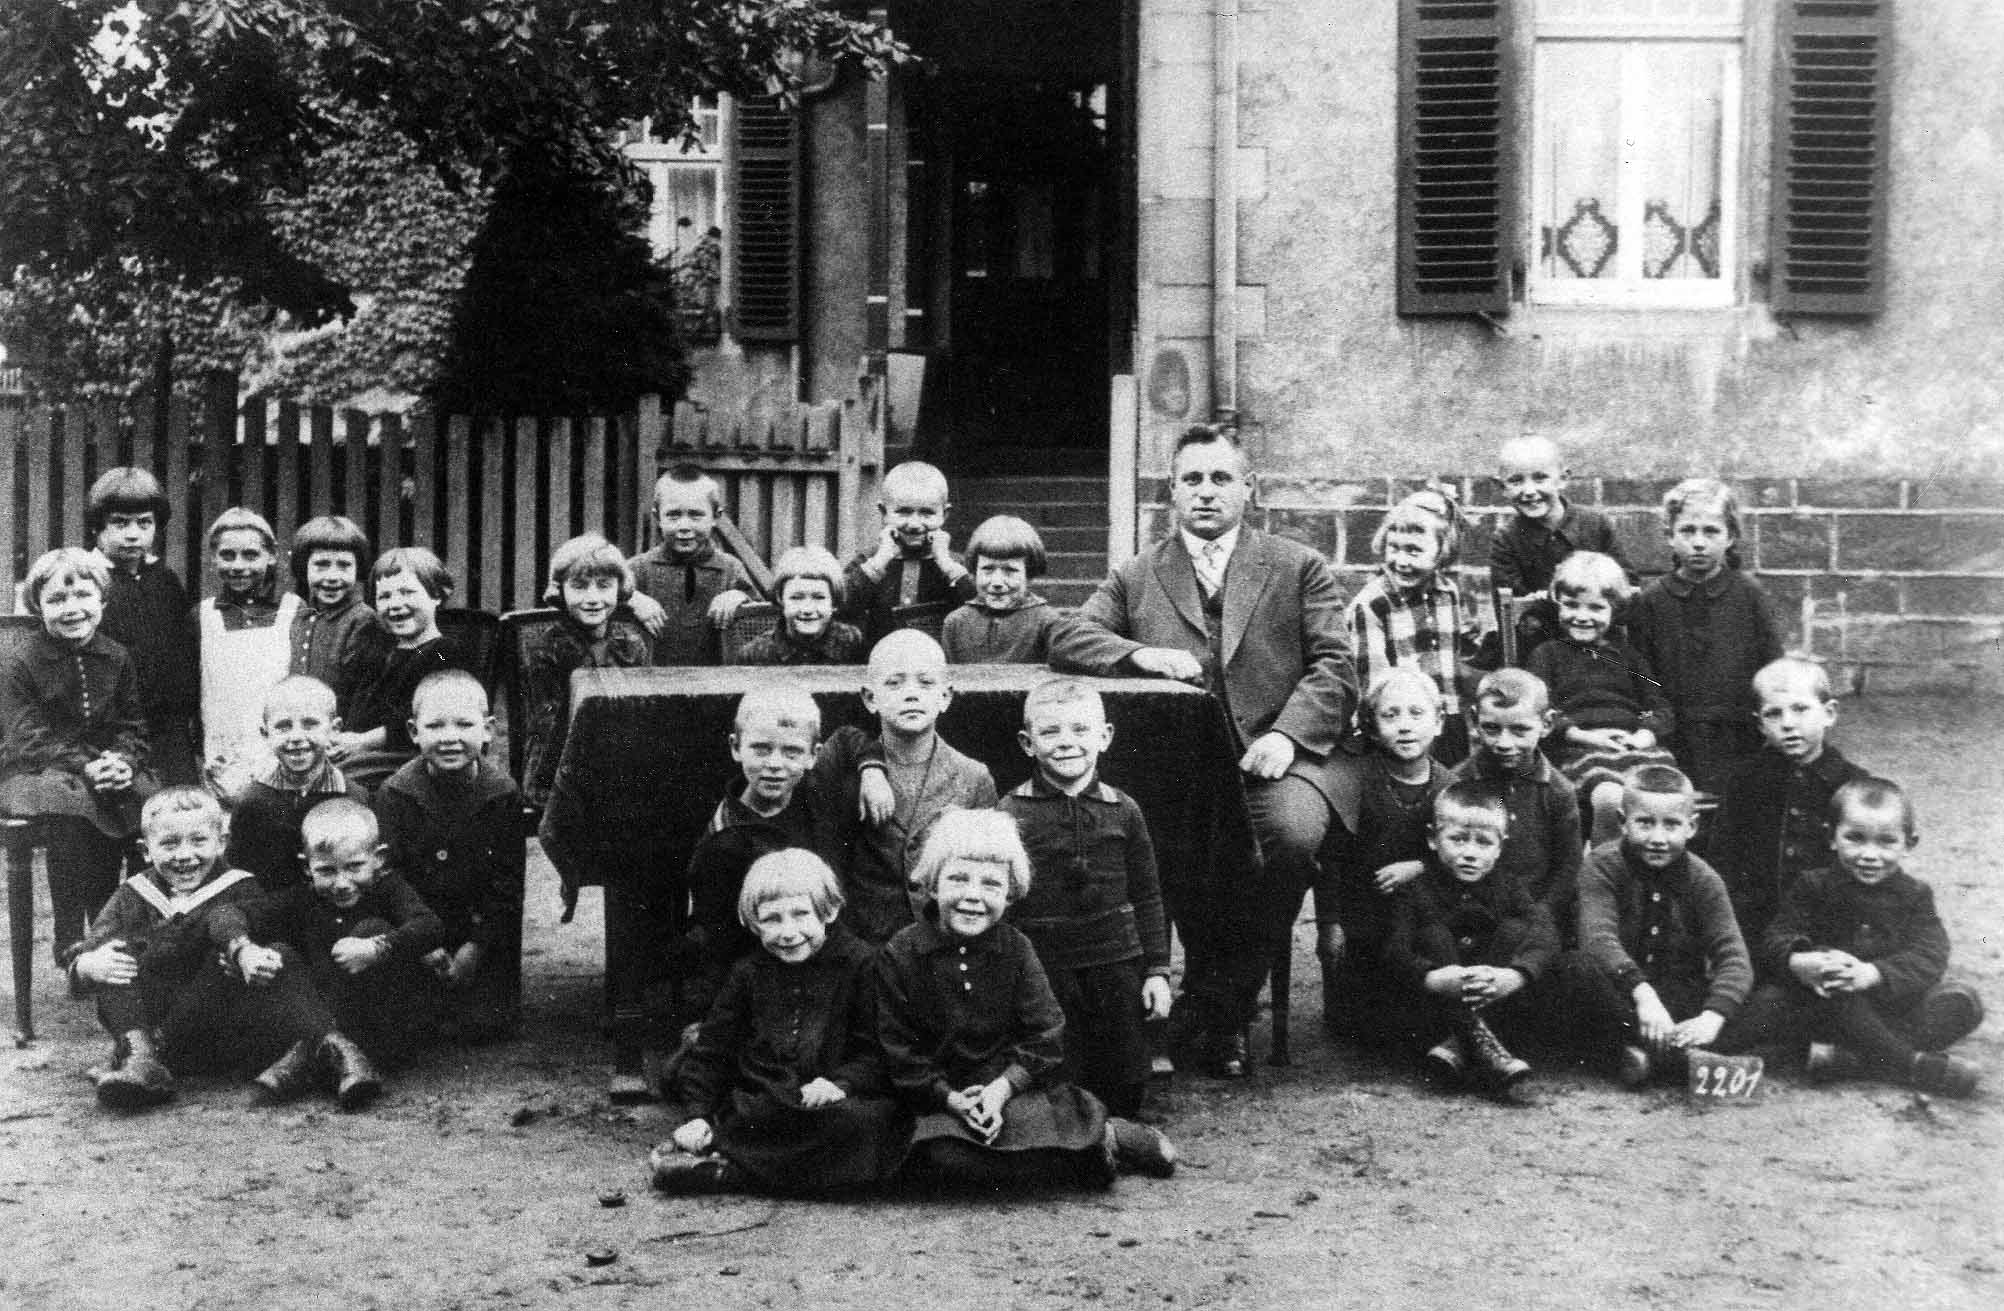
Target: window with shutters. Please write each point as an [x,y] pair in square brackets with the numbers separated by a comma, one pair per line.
[1635,156]
[765,202]
[685,218]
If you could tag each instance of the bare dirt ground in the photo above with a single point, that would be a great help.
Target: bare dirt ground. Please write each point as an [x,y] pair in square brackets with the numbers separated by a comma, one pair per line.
[1337,1182]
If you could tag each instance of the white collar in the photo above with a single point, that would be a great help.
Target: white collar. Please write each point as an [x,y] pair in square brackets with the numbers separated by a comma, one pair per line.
[1227,543]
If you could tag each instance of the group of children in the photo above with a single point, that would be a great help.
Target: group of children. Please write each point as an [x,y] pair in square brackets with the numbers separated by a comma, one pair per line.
[873,966]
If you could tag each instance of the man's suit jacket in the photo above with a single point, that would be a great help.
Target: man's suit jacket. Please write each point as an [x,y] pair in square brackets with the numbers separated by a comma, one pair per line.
[1285,654]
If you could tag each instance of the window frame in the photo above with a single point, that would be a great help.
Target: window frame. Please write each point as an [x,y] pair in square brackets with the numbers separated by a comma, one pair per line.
[1635,36]
[648,152]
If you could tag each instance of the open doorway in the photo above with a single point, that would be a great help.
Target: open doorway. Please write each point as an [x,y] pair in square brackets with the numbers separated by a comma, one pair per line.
[1019,230]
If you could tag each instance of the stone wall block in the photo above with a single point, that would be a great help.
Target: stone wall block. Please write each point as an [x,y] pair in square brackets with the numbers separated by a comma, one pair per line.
[1892,543]
[1315,529]
[1358,528]
[1954,596]
[1789,541]
[1635,491]
[1850,493]
[1954,493]
[1865,596]
[1640,533]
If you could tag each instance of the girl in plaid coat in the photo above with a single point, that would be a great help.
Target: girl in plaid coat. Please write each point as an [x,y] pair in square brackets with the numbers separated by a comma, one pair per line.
[1409,614]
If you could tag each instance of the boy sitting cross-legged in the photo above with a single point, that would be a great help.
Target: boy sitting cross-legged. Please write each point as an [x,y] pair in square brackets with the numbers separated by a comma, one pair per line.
[1864,955]
[362,933]
[775,739]
[1775,819]
[299,726]
[1470,941]
[1661,967]
[1094,908]
[178,980]
[452,823]
[783,1087]
[1511,716]
[904,779]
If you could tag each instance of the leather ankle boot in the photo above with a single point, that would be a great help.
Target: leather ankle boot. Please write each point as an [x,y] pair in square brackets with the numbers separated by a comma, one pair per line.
[1942,1075]
[291,1074]
[1498,1068]
[137,1078]
[1827,1063]
[1329,945]
[352,1073]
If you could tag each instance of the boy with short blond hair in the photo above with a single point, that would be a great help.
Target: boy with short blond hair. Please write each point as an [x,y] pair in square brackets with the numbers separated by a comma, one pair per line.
[1545,529]
[913,561]
[366,938]
[901,780]
[1511,716]
[1094,908]
[1774,820]
[179,980]
[1469,941]
[1861,957]
[1661,966]
[775,740]
[298,727]
[685,589]
[452,823]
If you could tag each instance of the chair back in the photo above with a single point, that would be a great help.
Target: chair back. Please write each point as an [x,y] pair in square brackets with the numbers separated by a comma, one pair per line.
[753,619]
[1510,611]
[928,617]
[476,636]
[520,631]
[15,631]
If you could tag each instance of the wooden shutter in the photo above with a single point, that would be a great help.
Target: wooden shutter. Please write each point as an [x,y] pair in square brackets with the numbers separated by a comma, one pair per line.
[765,204]
[1830,150]
[1455,155]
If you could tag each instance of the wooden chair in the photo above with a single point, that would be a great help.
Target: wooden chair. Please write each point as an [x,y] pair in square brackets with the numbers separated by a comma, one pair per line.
[477,636]
[18,840]
[928,617]
[520,630]
[753,619]
[1510,611]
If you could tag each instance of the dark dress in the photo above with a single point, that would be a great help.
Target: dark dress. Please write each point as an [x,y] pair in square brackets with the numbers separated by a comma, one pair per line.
[1607,685]
[385,702]
[954,1013]
[977,635]
[774,1028]
[149,614]
[564,647]
[343,647]
[839,644]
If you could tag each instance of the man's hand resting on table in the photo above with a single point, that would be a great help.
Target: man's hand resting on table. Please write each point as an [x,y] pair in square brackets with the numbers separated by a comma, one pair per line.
[1167,662]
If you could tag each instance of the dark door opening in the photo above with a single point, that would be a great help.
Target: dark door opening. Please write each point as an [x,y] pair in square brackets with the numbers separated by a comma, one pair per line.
[1027,234]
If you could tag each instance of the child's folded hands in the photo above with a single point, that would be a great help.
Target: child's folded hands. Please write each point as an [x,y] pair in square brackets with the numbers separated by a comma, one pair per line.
[354,955]
[817,1093]
[1652,1017]
[1698,1031]
[694,1136]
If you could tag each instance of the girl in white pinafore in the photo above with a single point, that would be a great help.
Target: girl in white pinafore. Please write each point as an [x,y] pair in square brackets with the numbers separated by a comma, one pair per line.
[246,635]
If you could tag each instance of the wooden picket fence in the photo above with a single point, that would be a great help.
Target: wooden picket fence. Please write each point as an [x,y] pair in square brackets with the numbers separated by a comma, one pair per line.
[492,495]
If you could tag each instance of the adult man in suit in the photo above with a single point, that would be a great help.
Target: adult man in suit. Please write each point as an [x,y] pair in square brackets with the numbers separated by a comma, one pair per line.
[1257,621]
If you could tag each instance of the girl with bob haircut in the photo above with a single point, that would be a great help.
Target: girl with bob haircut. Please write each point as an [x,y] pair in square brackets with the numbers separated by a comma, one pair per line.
[74,751]
[408,584]
[782,1089]
[1006,622]
[148,612]
[335,636]
[807,584]
[591,582]
[973,1036]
